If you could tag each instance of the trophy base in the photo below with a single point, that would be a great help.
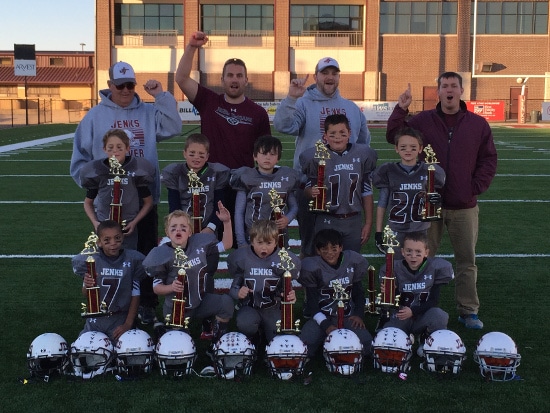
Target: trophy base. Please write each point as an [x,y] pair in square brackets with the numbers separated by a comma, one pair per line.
[430,219]
[94,315]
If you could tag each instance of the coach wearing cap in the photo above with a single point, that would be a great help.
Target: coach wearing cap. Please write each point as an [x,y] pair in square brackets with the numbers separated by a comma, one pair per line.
[303,112]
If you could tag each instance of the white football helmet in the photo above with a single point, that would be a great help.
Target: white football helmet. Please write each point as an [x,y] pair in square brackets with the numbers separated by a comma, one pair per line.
[343,352]
[392,350]
[48,354]
[232,353]
[286,356]
[134,352]
[176,353]
[92,354]
[444,352]
[497,356]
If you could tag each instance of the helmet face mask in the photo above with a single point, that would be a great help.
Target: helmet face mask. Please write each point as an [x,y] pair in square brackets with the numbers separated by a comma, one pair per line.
[47,356]
[175,354]
[444,353]
[286,356]
[92,355]
[233,353]
[392,350]
[134,353]
[497,356]
[343,352]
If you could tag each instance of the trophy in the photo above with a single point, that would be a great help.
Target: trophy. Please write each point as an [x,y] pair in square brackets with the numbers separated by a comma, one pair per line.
[319,203]
[430,212]
[94,307]
[287,324]
[178,319]
[195,185]
[370,303]
[277,204]
[115,169]
[388,300]
[341,296]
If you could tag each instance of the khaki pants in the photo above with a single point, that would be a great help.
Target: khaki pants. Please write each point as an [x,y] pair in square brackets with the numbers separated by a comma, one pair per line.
[462,227]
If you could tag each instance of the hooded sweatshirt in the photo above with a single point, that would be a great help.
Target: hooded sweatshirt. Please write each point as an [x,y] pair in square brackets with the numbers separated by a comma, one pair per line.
[144,123]
[305,117]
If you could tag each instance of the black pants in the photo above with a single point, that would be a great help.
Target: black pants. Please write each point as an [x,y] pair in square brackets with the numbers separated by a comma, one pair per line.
[147,240]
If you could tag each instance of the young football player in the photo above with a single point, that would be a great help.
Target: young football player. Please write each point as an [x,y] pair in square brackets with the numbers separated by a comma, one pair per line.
[258,282]
[214,179]
[138,174]
[202,251]
[119,272]
[402,188]
[318,276]
[347,181]
[418,280]
[254,201]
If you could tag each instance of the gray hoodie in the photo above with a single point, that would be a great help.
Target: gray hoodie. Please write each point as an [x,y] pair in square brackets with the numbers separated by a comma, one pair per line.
[145,123]
[305,117]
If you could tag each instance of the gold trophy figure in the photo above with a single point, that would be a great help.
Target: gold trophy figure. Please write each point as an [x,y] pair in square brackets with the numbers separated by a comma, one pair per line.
[277,204]
[430,212]
[287,324]
[178,318]
[319,203]
[94,307]
[195,185]
[116,170]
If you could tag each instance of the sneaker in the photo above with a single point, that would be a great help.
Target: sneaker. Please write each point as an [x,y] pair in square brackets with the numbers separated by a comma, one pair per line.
[471,321]
[146,315]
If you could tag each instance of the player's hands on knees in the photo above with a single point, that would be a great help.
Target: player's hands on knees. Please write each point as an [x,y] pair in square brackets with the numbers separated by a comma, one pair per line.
[356,321]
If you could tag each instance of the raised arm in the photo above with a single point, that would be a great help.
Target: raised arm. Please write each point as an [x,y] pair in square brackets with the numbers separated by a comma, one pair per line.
[188,85]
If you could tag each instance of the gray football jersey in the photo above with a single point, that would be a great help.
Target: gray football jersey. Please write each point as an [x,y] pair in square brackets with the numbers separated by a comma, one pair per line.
[203,256]
[262,275]
[347,176]
[407,190]
[316,273]
[214,177]
[118,278]
[95,175]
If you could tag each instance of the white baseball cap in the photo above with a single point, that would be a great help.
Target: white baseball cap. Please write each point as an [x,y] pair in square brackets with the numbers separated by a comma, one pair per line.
[121,72]
[326,62]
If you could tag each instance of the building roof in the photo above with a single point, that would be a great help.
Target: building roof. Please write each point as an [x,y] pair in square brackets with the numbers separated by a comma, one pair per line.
[49,75]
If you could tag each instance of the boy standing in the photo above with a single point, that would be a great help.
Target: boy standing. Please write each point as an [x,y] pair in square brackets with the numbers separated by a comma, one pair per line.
[119,273]
[347,179]
[418,280]
[318,276]
[403,187]
[258,282]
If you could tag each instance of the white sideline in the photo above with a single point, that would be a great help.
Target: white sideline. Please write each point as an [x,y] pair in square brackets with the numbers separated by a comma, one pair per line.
[36,142]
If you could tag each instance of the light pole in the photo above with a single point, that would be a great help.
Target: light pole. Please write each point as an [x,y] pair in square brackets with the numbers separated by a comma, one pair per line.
[82,45]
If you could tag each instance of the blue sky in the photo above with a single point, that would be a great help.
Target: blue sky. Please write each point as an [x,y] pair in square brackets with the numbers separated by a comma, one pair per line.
[59,25]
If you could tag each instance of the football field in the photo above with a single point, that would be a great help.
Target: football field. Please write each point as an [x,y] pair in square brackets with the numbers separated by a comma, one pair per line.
[43,224]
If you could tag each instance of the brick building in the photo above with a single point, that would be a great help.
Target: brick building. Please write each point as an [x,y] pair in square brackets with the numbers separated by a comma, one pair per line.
[381,45]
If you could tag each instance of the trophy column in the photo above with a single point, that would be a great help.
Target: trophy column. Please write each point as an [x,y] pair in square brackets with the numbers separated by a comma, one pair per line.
[94,307]
[319,203]
[195,186]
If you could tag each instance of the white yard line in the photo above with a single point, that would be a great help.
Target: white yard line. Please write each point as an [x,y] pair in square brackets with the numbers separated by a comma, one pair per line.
[36,142]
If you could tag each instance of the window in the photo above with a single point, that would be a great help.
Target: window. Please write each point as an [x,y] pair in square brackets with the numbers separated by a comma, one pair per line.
[343,18]
[237,17]
[511,17]
[57,61]
[418,17]
[6,61]
[140,18]
[41,91]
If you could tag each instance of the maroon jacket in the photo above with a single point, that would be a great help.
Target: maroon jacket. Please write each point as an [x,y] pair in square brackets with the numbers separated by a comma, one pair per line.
[467,153]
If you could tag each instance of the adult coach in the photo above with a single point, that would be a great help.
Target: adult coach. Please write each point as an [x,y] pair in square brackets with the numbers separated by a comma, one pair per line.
[230,120]
[146,124]
[464,146]
[303,112]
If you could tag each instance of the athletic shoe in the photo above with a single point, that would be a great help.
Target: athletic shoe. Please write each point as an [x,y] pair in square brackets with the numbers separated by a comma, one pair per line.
[146,315]
[471,321]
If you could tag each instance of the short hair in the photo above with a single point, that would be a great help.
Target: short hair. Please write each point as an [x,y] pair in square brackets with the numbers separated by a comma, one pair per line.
[448,75]
[268,143]
[336,119]
[234,61]
[408,131]
[263,229]
[119,133]
[177,214]
[198,138]
[418,236]
[328,236]
[107,224]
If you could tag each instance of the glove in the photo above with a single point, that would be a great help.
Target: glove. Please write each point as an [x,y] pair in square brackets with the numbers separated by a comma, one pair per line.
[378,241]
[434,198]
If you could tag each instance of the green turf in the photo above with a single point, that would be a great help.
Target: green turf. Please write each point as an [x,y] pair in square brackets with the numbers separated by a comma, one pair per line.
[40,294]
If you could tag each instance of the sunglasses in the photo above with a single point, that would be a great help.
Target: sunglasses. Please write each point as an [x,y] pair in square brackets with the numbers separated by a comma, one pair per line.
[127,85]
